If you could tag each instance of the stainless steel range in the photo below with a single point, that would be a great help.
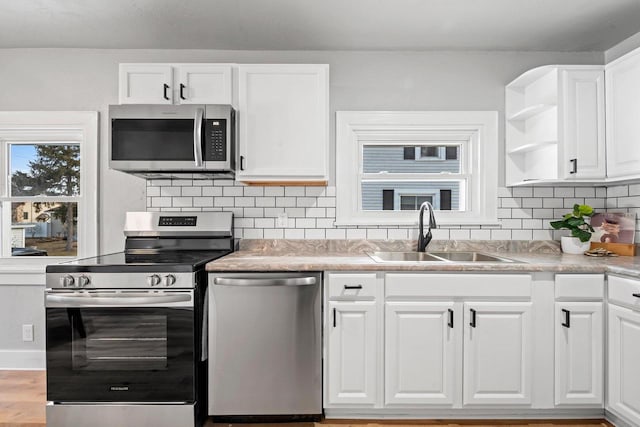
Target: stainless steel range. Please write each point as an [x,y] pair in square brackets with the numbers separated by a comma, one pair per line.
[125,330]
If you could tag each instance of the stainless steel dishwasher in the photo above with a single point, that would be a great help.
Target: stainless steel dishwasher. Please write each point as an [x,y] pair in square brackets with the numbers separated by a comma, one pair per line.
[265,353]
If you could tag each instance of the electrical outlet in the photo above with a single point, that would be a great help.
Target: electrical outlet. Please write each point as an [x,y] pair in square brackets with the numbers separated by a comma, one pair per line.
[282,219]
[27,332]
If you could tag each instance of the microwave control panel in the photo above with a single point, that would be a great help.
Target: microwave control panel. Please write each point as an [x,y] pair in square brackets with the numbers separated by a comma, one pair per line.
[216,139]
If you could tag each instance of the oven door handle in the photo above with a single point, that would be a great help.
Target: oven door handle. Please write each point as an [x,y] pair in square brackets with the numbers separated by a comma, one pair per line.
[197,136]
[286,281]
[102,300]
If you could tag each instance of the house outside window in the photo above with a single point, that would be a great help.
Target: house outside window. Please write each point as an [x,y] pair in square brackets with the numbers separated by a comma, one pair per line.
[49,184]
[389,163]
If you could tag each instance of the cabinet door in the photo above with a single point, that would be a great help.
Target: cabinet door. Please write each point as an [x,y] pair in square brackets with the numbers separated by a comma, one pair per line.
[497,353]
[579,374]
[421,362]
[582,109]
[622,105]
[624,363]
[353,346]
[146,84]
[284,122]
[203,84]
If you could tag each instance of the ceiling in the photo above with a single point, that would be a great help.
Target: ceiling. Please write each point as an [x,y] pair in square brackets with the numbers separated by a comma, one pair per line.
[524,25]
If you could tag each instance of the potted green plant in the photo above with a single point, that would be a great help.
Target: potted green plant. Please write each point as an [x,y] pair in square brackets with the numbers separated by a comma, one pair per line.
[581,230]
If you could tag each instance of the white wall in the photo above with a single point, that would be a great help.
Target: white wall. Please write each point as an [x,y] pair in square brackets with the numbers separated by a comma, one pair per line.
[80,79]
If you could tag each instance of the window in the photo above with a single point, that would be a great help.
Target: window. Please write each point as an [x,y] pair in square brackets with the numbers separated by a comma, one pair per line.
[389,163]
[48,184]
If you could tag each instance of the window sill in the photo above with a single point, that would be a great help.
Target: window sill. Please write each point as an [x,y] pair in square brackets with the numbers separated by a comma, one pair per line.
[414,222]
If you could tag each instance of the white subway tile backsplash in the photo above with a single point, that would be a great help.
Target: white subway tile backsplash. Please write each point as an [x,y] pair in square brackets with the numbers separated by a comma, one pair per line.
[265,202]
[274,191]
[255,191]
[564,192]
[524,212]
[522,192]
[543,192]
[294,191]
[232,191]
[273,233]
[314,233]
[294,233]
[356,233]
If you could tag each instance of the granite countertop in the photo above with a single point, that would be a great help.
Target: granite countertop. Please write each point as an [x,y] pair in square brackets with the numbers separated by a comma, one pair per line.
[351,255]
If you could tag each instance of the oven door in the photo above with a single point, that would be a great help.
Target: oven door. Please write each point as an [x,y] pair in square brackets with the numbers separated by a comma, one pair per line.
[120,346]
[157,137]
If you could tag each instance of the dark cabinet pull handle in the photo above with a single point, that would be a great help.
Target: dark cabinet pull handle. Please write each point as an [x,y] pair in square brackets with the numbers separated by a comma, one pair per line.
[450,323]
[241,163]
[567,318]
[574,170]
[353,286]
[636,295]
[334,317]
[166,86]
[182,91]
[473,318]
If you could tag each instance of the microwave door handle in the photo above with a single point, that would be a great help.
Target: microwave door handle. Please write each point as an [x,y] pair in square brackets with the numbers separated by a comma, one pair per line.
[197,136]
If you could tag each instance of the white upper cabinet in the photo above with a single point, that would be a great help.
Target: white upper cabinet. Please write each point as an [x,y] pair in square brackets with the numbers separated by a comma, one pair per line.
[146,84]
[555,125]
[203,84]
[175,84]
[623,116]
[283,112]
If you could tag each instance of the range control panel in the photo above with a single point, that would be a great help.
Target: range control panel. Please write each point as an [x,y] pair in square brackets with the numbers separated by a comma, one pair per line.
[177,221]
[216,139]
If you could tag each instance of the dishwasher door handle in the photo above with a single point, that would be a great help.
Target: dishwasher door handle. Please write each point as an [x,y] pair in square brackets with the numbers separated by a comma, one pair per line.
[279,281]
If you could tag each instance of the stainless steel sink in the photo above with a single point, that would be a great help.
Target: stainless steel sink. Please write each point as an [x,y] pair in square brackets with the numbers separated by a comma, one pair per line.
[404,257]
[469,257]
[436,257]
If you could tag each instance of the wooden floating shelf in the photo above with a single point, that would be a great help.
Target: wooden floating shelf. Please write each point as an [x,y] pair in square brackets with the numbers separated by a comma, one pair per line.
[532,146]
[529,112]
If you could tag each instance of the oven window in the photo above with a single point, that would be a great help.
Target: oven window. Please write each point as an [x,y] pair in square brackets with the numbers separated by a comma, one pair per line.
[121,354]
[152,140]
[122,343]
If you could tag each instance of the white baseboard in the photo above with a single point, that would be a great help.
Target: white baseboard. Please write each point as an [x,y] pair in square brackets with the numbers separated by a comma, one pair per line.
[617,420]
[22,359]
[464,413]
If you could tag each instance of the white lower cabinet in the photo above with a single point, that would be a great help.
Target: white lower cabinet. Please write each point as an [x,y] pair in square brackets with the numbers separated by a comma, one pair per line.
[579,347]
[497,353]
[421,362]
[352,352]
[624,363]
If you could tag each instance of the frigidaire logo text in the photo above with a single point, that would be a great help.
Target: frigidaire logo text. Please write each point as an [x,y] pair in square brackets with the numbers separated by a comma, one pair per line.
[119,388]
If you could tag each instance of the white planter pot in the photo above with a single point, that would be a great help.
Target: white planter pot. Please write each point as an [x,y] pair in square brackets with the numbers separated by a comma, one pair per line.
[573,245]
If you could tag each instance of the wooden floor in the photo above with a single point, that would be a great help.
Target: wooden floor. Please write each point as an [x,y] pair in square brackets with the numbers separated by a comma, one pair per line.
[23,397]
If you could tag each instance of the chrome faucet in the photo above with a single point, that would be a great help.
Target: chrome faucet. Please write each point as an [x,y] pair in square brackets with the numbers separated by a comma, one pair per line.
[424,239]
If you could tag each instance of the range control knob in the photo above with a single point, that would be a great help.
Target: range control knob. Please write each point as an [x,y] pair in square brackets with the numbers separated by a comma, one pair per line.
[67,281]
[83,281]
[169,280]
[153,280]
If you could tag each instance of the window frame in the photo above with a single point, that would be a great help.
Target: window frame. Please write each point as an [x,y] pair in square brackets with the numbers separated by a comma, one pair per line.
[51,127]
[404,128]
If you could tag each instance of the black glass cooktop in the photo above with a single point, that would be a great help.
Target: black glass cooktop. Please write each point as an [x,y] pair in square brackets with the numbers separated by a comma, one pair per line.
[170,261]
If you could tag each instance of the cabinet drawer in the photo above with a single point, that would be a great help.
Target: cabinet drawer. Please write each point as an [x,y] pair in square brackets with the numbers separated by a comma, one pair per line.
[352,286]
[579,286]
[458,285]
[623,290]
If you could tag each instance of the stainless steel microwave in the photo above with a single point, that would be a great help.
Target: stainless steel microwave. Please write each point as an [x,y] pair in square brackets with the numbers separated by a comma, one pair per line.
[166,141]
